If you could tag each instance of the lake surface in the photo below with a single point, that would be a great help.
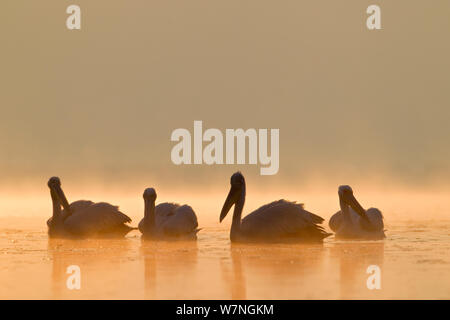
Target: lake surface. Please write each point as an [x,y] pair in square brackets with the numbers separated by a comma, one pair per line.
[414,263]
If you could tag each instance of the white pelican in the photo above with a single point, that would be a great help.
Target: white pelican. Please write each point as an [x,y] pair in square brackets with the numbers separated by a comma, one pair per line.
[353,222]
[278,221]
[83,218]
[167,220]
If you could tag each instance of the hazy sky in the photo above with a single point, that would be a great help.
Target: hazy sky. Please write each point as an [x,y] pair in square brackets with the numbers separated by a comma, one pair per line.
[100,104]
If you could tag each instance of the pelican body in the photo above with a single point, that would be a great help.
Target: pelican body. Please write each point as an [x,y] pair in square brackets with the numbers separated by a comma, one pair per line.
[83,218]
[353,222]
[278,221]
[167,221]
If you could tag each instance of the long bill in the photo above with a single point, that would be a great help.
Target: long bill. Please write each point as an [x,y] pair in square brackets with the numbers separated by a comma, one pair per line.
[232,198]
[63,200]
[56,204]
[352,202]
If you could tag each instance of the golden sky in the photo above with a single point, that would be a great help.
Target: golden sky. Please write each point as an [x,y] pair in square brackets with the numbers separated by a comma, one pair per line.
[100,104]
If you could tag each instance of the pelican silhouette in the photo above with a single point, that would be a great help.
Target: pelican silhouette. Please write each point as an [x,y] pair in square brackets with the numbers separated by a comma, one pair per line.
[278,221]
[353,222]
[83,218]
[167,220]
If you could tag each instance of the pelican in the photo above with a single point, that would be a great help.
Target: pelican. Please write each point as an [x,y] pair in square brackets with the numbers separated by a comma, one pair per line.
[83,218]
[353,222]
[278,221]
[167,220]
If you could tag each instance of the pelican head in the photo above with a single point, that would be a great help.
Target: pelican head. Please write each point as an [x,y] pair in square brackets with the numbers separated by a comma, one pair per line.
[347,198]
[149,194]
[237,183]
[344,189]
[54,183]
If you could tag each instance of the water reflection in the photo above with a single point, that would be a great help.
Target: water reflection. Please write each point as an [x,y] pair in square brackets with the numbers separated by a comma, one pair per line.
[97,260]
[288,271]
[353,259]
[131,268]
[169,268]
[233,276]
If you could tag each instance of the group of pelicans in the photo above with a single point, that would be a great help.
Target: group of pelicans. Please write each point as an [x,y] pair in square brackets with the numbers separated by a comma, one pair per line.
[278,221]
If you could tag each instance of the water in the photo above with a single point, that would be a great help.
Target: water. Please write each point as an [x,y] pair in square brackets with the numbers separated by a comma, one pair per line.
[414,261]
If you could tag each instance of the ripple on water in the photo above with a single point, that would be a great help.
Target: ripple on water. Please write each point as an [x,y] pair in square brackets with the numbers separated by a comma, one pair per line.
[413,259]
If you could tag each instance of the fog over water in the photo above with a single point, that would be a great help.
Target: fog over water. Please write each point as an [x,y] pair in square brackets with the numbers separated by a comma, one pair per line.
[98,106]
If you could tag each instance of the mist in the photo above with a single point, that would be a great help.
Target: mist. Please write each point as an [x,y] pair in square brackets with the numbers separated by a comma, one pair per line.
[97,106]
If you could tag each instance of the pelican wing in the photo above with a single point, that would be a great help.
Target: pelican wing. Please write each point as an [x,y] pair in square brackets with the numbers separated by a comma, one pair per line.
[75,206]
[183,221]
[335,221]
[283,219]
[375,217]
[95,218]
[164,211]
